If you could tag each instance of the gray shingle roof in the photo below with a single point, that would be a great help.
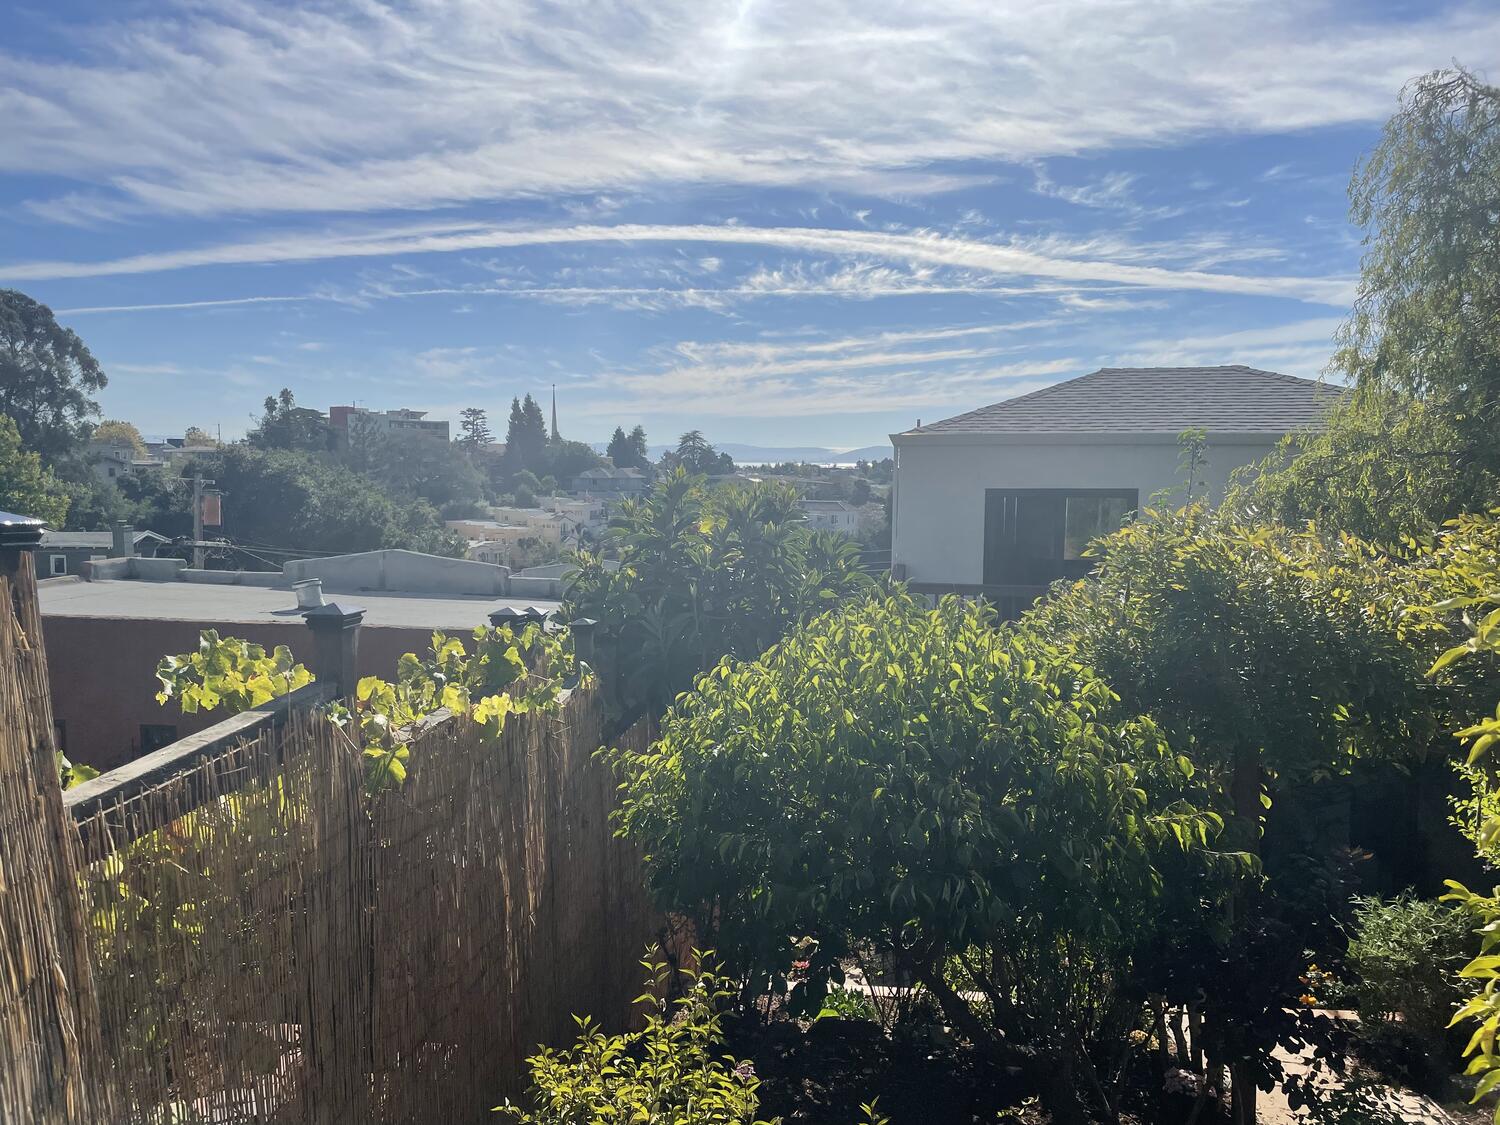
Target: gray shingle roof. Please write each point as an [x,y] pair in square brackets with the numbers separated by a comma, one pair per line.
[1233,399]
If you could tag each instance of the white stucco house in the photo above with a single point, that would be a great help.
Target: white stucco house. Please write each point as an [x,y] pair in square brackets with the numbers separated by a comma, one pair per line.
[1002,500]
[830,515]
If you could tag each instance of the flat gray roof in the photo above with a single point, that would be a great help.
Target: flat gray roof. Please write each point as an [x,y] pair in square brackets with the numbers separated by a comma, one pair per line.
[209,603]
[106,539]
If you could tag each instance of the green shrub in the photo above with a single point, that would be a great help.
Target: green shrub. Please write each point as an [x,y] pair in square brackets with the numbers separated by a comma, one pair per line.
[1406,953]
[919,784]
[670,1072]
[846,1004]
[704,572]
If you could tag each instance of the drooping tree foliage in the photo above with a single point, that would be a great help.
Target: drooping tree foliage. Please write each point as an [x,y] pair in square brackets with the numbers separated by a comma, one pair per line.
[916,788]
[702,573]
[1418,440]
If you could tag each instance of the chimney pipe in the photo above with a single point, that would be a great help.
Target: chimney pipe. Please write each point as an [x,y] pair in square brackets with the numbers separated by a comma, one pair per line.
[123,541]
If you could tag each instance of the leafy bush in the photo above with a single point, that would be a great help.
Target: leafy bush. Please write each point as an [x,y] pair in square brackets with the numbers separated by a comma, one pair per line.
[703,573]
[1406,952]
[846,1004]
[962,801]
[668,1073]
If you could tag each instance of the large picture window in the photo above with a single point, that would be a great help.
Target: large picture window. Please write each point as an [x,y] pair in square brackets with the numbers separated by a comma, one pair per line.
[1087,517]
[1033,536]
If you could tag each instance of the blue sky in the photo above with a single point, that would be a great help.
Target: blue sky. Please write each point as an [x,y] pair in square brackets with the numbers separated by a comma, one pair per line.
[782,223]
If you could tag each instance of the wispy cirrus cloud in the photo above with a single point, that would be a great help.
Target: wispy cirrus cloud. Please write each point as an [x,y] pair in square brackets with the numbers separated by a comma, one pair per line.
[1048,259]
[353,107]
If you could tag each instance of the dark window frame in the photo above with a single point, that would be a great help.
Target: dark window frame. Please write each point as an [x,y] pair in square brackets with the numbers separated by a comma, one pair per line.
[1043,513]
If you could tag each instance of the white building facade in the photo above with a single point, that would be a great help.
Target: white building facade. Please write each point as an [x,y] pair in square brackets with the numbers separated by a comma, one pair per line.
[1003,500]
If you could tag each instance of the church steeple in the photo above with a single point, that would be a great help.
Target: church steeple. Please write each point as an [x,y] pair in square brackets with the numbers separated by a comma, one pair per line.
[555,436]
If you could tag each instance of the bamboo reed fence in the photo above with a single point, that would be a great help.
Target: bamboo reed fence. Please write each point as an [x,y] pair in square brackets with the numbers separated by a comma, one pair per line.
[293,950]
[47,1025]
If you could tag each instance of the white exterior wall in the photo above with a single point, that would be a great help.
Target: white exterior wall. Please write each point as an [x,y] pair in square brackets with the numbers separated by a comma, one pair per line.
[938,510]
[846,523]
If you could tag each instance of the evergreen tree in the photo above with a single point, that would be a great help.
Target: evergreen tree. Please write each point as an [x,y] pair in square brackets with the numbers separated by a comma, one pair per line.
[696,455]
[526,438]
[474,421]
[638,447]
[619,450]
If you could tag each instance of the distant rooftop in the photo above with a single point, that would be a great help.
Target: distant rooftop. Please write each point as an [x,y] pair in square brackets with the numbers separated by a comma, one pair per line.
[825,506]
[1232,399]
[103,539]
[210,602]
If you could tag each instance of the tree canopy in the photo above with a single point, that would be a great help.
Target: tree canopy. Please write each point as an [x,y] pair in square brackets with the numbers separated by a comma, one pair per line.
[121,433]
[1418,440]
[696,455]
[47,376]
[706,572]
[525,436]
[285,425]
[474,421]
[287,499]
[628,451]
[26,487]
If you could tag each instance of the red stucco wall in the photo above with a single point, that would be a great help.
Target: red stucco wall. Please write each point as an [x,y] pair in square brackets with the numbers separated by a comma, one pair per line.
[104,684]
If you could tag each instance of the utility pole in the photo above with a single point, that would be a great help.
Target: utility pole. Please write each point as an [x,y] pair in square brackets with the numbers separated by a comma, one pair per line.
[198,483]
[197,522]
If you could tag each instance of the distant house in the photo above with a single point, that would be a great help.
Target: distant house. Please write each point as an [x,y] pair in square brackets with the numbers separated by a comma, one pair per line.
[110,460]
[1003,500]
[64,552]
[831,515]
[610,482]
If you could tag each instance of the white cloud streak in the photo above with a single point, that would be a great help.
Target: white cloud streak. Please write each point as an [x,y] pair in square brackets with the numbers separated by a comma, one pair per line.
[918,249]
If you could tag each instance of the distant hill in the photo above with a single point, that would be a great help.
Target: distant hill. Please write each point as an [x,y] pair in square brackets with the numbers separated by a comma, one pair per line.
[772,454]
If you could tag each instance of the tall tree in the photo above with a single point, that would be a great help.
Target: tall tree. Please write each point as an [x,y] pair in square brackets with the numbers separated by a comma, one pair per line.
[628,451]
[639,448]
[619,451]
[474,421]
[526,438]
[696,455]
[120,433]
[46,377]
[196,435]
[285,425]
[1419,439]
[27,488]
